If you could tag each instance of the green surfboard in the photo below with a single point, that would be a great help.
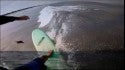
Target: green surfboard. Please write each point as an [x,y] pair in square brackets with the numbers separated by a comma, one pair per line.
[43,44]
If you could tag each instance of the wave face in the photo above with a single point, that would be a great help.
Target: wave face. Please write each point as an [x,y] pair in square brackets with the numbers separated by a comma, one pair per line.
[86,34]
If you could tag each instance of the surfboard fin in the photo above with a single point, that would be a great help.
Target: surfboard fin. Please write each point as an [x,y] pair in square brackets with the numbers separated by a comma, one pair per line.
[40,40]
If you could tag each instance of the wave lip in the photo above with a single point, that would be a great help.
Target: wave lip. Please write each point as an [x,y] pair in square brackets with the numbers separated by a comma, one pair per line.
[48,12]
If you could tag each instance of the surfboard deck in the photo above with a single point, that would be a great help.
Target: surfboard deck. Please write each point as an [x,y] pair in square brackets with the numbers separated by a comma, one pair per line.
[43,44]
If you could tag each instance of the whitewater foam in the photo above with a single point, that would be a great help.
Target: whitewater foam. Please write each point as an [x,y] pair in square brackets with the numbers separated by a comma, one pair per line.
[48,12]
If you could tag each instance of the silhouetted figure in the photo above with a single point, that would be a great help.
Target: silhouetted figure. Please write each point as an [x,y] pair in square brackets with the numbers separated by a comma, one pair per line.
[36,64]
[1,68]
[6,19]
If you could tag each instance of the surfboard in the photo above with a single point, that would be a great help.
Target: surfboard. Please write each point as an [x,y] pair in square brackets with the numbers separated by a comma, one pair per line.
[43,44]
